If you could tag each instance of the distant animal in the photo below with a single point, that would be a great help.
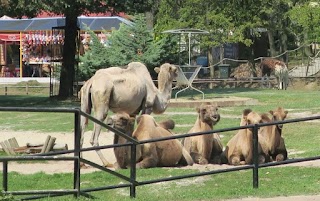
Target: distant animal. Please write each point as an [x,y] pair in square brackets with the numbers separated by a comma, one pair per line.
[269,65]
[205,148]
[239,148]
[130,90]
[270,137]
[158,154]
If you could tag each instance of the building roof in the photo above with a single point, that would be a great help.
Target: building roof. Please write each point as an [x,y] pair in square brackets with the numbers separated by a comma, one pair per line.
[94,23]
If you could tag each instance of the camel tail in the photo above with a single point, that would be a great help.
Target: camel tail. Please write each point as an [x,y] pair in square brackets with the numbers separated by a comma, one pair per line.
[187,157]
[84,95]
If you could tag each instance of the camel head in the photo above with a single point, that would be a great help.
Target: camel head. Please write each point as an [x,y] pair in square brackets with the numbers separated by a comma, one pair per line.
[166,73]
[122,121]
[279,114]
[251,117]
[209,114]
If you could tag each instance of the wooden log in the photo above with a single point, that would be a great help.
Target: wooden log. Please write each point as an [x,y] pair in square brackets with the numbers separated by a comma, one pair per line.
[4,147]
[60,147]
[50,144]
[31,144]
[43,150]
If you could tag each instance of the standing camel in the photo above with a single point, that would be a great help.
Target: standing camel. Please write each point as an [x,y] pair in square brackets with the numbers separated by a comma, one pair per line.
[279,68]
[129,90]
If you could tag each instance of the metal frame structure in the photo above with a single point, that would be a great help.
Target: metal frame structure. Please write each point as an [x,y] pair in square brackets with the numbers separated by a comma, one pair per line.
[132,180]
[182,73]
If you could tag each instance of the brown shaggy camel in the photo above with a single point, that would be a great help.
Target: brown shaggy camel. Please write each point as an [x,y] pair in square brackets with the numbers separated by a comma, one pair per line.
[239,148]
[205,148]
[270,139]
[130,90]
[279,68]
[158,154]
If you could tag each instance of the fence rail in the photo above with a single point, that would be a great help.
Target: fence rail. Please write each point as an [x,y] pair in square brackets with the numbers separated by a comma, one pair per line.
[131,180]
[26,87]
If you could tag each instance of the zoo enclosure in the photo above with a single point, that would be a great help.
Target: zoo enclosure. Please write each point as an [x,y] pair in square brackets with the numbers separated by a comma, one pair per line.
[132,182]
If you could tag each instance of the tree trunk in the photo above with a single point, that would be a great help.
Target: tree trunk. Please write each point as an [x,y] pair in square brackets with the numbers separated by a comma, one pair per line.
[272,46]
[68,62]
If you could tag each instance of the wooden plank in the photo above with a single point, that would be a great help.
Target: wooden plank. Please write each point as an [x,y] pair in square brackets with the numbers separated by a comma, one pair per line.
[43,150]
[4,147]
[6,142]
[50,144]
[13,143]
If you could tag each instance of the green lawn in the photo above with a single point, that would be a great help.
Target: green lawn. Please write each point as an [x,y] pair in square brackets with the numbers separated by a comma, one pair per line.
[302,140]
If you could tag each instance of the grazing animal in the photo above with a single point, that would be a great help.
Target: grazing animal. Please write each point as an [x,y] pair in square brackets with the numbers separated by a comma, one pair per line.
[270,139]
[205,148]
[239,148]
[163,153]
[279,68]
[130,90]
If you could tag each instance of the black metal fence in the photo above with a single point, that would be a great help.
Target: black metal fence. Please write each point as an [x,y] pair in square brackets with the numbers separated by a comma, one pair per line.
[132,182]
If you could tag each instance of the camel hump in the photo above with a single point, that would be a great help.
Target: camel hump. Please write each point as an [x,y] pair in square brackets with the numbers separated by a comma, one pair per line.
[167,124]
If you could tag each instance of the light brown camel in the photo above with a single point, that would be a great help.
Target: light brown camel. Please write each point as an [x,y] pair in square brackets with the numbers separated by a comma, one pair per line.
[239,148]
[164,153]
[205,148]
[269,65]
[130,90]
[270,139]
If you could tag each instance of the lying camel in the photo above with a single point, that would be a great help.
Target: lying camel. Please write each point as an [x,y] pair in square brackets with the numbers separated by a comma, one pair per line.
[239,148]
[130,90]
[158,154]
[205,148]
[270,138]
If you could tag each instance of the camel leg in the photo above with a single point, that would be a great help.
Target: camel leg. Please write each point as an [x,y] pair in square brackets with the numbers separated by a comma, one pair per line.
[100,111]
[149,157]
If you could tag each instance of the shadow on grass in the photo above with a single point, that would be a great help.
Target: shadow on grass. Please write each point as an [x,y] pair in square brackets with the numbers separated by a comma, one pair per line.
[36,101]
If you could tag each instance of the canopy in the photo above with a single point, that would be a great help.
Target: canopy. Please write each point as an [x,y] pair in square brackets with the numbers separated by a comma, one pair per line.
[9,37]
[33,24]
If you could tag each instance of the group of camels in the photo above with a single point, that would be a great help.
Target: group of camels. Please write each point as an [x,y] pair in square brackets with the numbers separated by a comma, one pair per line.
[128,91]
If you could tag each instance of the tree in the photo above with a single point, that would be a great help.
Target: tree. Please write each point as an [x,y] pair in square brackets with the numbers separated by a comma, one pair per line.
[71,9]
[128,43]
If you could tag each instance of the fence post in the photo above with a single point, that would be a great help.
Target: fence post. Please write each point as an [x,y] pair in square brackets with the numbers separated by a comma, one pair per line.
[27,88]
[133,171]
[5,176]
[255,157]
[77,133]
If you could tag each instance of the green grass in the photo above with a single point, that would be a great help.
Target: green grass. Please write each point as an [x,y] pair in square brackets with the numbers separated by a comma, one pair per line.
[302,140]
[273,182]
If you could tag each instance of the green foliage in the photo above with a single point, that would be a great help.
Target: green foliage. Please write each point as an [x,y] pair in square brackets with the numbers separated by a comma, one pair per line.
[129,43]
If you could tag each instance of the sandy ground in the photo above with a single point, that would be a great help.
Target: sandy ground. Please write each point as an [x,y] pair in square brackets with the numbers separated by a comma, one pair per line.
[106,138]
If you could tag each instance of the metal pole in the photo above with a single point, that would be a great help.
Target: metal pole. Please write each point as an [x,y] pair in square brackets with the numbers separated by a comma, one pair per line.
[5,176]
[133,171]
[255,157]
[76,174]
[189,36]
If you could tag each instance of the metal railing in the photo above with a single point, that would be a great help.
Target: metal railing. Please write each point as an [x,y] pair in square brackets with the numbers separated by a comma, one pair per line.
[132,180]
